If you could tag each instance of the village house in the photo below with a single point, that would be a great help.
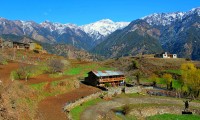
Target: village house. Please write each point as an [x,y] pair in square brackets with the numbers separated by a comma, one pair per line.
[165,55]
[23,46]
[101,78]
[19,45]
[11,44]
[7,44]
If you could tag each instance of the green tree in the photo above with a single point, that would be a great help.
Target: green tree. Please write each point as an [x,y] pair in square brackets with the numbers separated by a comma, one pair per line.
[154,79]
[168,80]
[191,79]
[138,76]
[134,65]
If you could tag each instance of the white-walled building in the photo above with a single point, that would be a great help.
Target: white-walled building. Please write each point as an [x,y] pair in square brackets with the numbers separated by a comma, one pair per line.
[165,55]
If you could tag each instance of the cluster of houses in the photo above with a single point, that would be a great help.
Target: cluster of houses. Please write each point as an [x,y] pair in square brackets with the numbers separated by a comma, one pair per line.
[19,45]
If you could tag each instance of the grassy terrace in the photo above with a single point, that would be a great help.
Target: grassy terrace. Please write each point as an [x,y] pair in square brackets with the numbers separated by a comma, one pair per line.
[174,117]
[76,112]
[47,88]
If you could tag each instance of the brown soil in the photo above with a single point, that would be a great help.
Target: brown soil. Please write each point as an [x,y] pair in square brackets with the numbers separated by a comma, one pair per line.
[5,71]
[44,78]
[51,107]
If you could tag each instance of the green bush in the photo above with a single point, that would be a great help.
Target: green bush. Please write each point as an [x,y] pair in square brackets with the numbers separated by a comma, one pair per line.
[107,85]
[2,60]
[14,75]
[134,65]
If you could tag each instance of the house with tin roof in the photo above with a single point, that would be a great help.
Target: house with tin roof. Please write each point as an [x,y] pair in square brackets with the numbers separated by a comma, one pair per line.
[100,78]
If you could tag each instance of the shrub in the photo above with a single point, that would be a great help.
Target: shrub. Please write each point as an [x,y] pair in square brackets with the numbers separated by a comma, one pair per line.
[134,65]
[36,51]
[14,76]
[24,72]
[188,59]
[107,85]
[55,65]
[2,60]
[126,109]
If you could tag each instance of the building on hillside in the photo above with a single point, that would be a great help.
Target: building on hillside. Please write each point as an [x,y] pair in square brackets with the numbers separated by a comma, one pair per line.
[19,45]
[165,55]
[7,44]
[11,44]
[101,78]
[24,46]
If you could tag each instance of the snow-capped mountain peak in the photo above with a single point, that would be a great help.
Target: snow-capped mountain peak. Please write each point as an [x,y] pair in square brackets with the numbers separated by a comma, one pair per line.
[102,28]
[163,18]
[105,21]
[168,18]
[193,11]
[61,28]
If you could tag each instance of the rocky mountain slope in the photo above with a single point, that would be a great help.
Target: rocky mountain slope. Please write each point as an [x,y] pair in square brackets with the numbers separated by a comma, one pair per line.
[82,37]
[176,32]
[47,32]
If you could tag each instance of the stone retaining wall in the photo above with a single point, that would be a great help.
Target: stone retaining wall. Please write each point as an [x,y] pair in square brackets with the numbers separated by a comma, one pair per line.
[114,90]
[69,106]
[136,89]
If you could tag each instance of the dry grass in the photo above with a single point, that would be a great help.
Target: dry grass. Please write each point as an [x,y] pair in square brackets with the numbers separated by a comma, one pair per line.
[18,99]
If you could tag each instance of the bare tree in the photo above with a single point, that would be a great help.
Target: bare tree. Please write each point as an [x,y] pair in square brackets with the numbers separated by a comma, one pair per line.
[56,65]
[24,71]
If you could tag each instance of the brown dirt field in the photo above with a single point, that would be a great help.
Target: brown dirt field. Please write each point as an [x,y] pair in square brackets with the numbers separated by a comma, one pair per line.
[51,107]
[45,78]
[5,71]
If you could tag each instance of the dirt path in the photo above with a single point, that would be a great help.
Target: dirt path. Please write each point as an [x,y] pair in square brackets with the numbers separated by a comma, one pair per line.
[5,71]
[51,107]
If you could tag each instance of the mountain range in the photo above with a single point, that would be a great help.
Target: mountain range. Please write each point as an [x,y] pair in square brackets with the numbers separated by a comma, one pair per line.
[177,32]
[82,37]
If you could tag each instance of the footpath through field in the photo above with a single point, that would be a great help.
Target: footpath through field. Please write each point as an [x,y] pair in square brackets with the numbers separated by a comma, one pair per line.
[51,107]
